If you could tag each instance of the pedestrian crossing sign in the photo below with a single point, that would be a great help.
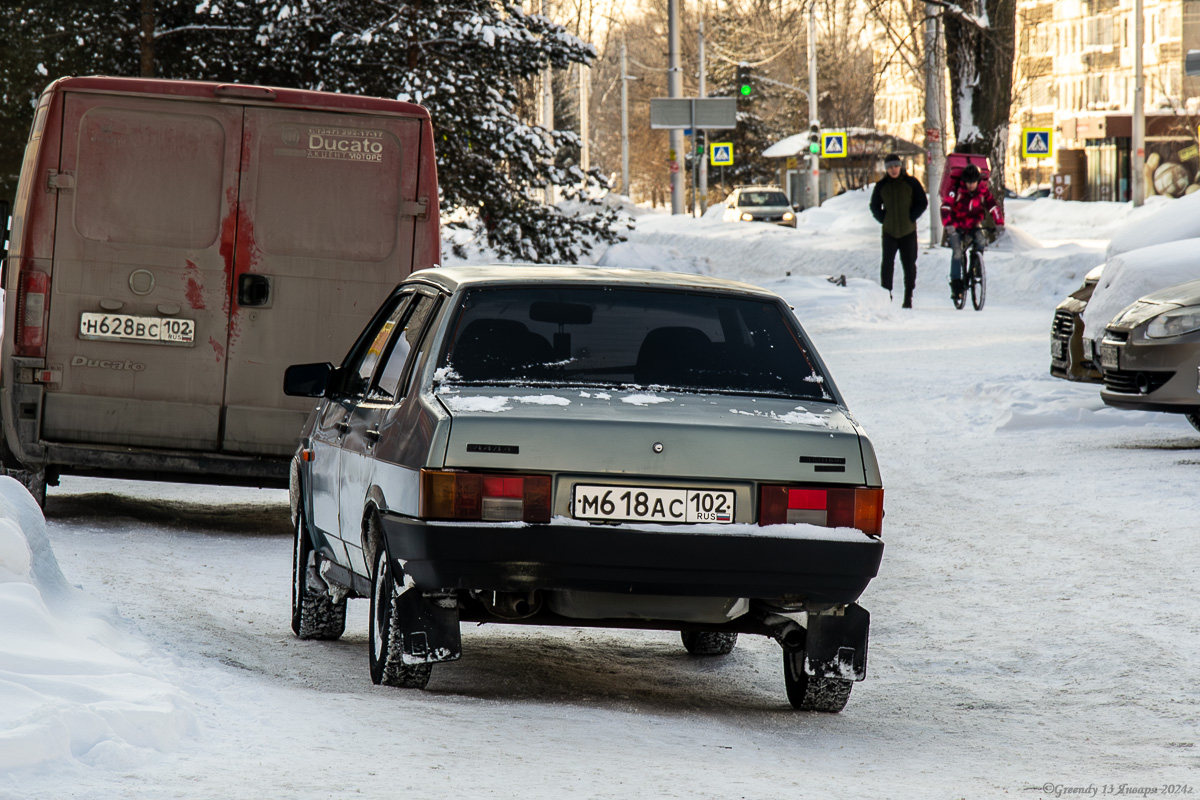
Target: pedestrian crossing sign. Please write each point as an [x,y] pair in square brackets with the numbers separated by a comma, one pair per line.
[833,145]
[720,154]
[1037,142]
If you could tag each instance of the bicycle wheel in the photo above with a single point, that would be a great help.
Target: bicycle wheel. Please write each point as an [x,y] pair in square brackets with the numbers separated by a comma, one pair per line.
[959,299]
[978,281]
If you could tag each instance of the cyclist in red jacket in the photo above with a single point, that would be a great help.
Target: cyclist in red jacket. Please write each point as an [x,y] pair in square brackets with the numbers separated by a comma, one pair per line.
[963,210]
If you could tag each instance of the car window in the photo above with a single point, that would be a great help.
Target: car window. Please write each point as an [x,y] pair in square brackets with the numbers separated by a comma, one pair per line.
[403,346]
[362,365]
[763,199]
[592,336]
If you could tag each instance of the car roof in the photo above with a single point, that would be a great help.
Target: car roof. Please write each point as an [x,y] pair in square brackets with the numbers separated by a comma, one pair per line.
[451,279]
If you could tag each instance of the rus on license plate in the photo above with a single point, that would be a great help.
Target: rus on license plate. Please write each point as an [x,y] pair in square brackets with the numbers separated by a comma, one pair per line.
[1109,356]
[125,328]
[647,504]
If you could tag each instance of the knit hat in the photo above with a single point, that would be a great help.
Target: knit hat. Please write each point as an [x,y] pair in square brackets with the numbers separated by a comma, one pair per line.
[970,174]
[892,158]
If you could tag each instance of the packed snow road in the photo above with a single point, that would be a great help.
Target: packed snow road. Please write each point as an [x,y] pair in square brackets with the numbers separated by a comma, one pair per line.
[1034,625]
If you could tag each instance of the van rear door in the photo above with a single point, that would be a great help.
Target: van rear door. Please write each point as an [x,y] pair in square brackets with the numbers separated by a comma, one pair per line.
[139,301]
[325,230]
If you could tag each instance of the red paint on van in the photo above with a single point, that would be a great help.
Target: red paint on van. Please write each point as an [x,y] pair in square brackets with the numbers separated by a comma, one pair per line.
[194,291]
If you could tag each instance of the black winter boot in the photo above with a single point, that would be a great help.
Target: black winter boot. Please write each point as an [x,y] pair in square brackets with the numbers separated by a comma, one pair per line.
[956,288]
[907,300]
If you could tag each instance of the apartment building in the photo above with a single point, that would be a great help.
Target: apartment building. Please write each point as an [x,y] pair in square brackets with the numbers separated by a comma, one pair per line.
[1074,74]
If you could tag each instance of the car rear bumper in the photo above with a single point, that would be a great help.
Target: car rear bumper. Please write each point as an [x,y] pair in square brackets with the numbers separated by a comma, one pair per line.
[625,559]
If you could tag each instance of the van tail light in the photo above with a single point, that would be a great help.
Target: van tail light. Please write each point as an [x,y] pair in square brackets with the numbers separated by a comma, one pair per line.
[859,508]
[33,291]
[484,497]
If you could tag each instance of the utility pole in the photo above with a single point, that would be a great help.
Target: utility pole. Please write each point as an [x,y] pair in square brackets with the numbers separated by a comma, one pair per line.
[703,182]
[675,90]
[1137,166]
[625,124]
[935,123]
[548,103]
[814,159]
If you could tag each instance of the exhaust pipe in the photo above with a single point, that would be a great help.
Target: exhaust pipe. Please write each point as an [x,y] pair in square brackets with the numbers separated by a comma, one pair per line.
[512,605]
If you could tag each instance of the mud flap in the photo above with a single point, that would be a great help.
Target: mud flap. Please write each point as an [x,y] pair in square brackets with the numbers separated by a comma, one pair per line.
[835,646]
[429,627]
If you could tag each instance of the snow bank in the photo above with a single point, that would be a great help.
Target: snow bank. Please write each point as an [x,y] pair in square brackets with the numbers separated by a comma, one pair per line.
[71,686]
[1136,273]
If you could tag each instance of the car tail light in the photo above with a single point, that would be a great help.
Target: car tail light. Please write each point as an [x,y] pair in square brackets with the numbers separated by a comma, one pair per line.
[831,508]
[32,294]
[484,497]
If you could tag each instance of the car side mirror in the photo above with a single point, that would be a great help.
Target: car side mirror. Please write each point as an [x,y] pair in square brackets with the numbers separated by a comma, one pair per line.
[308,380]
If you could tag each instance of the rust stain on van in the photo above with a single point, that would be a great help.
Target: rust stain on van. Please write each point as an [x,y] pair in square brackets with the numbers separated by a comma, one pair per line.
[217,347]
[194,291]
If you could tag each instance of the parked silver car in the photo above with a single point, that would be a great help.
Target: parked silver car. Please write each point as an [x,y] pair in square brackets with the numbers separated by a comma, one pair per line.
[759,204]
[589,447]
[1150,354]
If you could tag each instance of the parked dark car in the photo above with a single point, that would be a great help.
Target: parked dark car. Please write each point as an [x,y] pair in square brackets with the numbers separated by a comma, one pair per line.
[1069,359]
[1150,354]
[586,447]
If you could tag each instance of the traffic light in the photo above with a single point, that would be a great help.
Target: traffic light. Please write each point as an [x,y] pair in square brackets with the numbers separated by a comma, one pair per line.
[745,88]
[814,138]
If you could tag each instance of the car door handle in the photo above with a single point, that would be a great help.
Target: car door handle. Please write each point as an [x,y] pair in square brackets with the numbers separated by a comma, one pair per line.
[371,435]
[342,426]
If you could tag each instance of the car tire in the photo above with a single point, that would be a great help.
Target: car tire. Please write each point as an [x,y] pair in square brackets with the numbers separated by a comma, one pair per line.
[1194,418]
[314,614]
[386,647]
[811,692]
[709,643]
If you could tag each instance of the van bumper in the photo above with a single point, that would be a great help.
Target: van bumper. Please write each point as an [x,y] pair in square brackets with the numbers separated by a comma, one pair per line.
[167,465]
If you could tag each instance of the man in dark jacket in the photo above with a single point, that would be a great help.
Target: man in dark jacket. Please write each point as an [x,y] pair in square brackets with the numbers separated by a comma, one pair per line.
[897,203]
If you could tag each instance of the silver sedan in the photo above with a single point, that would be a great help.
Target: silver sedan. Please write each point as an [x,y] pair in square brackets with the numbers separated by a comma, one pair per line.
[589,447]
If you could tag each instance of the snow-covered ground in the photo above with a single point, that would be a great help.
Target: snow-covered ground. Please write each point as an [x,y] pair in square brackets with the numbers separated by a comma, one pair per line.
[1035,625]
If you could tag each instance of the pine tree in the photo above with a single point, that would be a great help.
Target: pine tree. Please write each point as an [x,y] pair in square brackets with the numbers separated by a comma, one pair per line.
[464,60]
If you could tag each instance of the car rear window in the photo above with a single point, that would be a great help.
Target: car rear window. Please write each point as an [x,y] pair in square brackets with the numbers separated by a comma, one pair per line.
[763,199]
[605,337]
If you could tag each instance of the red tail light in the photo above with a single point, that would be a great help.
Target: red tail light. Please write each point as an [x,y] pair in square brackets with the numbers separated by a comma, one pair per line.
[831,508]
[32,295]
[489,498]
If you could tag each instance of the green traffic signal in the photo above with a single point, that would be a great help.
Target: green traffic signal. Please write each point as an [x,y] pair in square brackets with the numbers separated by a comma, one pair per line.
[746,89]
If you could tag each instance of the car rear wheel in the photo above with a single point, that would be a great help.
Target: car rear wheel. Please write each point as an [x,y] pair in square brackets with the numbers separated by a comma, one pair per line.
[387,662]
[314,614]
[811,692]
[709,643]
[1194,418]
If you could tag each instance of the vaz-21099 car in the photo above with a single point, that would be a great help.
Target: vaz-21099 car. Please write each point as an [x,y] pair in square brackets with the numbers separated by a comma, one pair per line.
[589,447]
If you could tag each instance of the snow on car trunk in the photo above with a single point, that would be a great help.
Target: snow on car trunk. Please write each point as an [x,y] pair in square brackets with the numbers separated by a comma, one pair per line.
[701,435]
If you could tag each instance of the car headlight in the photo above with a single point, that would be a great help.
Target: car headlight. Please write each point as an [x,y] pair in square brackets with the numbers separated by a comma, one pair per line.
[788,216]
[1175,322]
[747,217]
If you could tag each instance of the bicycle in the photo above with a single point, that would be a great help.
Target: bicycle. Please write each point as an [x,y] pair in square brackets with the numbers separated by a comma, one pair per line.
[974,277]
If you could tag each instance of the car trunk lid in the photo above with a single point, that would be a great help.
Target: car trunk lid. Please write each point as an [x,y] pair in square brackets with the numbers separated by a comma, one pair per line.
[651,434]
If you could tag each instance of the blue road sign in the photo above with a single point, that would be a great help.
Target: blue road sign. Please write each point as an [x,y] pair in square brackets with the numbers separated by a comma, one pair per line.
[721,154]
[1037,142]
